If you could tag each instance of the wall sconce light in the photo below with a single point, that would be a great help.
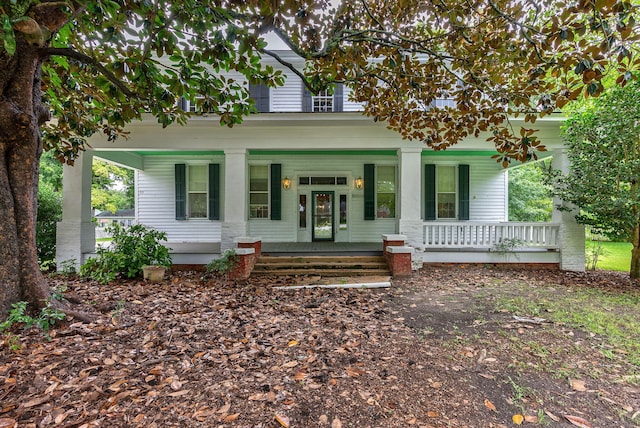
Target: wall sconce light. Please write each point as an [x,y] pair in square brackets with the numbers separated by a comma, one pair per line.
[286,183]
[359,182]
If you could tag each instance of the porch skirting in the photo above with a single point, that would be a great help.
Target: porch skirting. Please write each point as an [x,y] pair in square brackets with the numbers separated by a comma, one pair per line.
[482,255]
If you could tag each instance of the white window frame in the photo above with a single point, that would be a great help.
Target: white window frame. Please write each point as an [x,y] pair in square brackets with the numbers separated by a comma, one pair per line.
[322,102]
[455,192]
[267,192]
[189,192]
[395,193]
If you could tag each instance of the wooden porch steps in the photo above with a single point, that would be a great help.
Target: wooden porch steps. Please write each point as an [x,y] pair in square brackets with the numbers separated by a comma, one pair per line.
[321,265]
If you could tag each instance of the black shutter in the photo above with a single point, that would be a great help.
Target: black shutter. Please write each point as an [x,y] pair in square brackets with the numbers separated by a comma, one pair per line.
[214,191]
[429,192]
[276,191]
[369,191]
[463,192]
[181,191]
[307,104]
[338,98]
[260,94]
[183,104]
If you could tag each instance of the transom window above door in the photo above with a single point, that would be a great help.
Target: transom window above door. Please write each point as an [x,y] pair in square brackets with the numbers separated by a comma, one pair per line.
[323,180]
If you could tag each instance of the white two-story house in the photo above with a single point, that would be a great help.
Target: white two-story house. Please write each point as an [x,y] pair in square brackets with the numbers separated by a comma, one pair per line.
[310,172]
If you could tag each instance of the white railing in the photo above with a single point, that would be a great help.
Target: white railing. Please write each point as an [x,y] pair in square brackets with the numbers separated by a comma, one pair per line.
[489,235]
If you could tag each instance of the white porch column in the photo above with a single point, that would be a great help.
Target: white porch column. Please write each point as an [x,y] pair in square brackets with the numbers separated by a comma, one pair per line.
[76,233]
[571,235]
[235,197]
[410,223]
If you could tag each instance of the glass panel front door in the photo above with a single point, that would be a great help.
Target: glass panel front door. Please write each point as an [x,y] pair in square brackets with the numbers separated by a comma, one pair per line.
[322,216]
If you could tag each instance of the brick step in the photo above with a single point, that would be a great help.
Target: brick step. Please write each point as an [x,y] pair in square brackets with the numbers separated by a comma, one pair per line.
[321,265]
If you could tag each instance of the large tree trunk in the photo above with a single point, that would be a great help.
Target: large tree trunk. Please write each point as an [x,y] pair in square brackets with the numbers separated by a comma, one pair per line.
[21,115]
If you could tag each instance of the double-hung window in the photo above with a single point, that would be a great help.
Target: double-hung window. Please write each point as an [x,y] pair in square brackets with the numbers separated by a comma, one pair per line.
[259,191]
[379,191]
[385,191]
[197,191]
[446,191]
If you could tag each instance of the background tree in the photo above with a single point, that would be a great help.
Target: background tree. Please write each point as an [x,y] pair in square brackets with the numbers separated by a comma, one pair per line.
[604,181]
[112,187]
[50,171]
[49,214]
[49,209]
[529,193]
[97,65]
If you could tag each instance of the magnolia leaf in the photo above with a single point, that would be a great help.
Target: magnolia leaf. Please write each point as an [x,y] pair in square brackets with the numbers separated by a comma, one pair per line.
[231,418]
[490,405]
[578,385]
[282,420]
[552,416]
[8,423]
[578,421]
[8,36]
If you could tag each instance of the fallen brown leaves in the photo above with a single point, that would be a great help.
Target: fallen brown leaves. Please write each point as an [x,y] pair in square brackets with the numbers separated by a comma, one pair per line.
[192,353]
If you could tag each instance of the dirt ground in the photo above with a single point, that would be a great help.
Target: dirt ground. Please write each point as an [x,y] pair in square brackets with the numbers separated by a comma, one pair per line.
[431,351]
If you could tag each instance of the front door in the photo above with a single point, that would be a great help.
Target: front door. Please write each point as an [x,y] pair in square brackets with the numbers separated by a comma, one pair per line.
[322,216]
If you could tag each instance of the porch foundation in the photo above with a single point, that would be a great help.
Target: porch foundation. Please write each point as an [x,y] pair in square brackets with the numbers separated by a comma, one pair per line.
[249,242]
[399,260]
[246,261]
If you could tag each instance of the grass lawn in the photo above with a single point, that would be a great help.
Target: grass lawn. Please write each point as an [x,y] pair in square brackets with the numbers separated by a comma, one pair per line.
[613,256]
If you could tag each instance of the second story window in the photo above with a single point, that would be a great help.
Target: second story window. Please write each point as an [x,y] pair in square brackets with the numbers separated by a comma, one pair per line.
[323,101]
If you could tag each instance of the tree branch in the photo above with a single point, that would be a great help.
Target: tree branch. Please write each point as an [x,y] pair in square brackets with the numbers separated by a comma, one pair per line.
[86,59]
[290,66]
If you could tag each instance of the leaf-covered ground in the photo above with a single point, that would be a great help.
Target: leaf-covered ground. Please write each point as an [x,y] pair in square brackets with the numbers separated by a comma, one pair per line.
[431,351]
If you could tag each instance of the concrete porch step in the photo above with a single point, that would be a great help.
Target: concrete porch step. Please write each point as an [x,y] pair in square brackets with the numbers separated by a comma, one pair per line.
[321,265]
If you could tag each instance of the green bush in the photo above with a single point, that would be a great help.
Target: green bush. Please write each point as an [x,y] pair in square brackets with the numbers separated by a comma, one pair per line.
[49,213]
[131,248]
[223,264]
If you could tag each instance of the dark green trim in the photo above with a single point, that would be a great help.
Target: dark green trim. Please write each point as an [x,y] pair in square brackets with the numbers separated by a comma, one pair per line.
[369,191]
[472,153]
[323,153]
[276,191]
[307,102]
[181,191]
[429,192]
[179,153]
[338,98]
[260,94]
[463,192]
[214,191]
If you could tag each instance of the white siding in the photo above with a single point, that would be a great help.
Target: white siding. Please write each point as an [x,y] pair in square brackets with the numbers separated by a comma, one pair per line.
[287,98]
[348,105]
[351,166]
[155,203]
[487,186]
